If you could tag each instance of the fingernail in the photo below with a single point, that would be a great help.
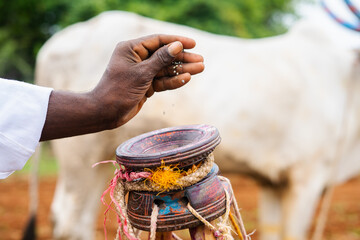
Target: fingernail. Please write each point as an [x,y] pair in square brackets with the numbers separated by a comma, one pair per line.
[175,48]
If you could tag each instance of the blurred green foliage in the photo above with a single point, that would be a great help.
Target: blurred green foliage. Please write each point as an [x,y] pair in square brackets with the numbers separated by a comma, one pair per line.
[48,165]
[26,24]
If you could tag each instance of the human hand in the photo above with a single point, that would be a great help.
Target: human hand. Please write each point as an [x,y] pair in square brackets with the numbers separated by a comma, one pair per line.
[136,70]
[140,67]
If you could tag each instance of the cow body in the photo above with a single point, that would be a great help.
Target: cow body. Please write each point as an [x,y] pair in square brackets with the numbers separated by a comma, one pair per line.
[278,104]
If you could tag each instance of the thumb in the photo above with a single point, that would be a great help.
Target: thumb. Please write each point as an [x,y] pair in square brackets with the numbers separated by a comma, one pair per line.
[164,56]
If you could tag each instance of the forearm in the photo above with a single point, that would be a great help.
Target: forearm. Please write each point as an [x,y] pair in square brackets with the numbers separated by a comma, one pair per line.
[136,70]
[71,114]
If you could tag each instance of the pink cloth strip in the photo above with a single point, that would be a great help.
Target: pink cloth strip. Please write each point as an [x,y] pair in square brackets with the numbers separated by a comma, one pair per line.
[123,175]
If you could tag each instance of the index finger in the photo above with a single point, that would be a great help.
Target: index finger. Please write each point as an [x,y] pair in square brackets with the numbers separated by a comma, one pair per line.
[149,44]
[154,42]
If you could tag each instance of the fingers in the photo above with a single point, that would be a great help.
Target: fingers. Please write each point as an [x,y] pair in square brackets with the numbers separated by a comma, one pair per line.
[173,70]
[189,62]
[163,57]
[187,57]
[168,83]
[145,46]
[155,55]
[150,91]
[161,61]
[175,48]
[174,76]
[153,42]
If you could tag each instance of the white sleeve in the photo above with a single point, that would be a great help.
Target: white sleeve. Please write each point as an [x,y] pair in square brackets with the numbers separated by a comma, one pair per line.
[23,109]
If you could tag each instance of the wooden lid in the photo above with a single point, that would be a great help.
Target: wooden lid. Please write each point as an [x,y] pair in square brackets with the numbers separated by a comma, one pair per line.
[183,145]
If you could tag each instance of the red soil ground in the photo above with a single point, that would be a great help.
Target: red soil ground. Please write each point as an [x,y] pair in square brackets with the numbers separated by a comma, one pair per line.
[343,220]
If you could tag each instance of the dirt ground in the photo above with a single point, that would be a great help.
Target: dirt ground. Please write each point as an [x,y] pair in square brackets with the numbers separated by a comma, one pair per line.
[343,220]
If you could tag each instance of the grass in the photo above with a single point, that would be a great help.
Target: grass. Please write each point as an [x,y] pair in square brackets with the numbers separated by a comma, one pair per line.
[356,231]
[47,166]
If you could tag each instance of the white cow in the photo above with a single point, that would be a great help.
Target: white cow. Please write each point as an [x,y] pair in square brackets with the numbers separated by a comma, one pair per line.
[277,102]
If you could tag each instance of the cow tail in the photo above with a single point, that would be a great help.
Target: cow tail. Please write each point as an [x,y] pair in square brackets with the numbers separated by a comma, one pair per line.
[30,229]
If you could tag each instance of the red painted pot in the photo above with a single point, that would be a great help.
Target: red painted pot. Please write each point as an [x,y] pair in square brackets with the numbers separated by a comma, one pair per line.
[207,197]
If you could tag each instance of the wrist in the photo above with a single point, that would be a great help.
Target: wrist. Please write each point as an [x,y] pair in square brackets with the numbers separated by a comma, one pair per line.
[71,114]
[103,108]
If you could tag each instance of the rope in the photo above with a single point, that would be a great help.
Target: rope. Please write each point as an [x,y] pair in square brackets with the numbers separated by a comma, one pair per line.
[237,211]
[176,237]
[182,182]
[198,216]
[355,27]
[224,229]
[121,188]
[123,182]
[118,232]
[352,8]
[153,220]
[121,207]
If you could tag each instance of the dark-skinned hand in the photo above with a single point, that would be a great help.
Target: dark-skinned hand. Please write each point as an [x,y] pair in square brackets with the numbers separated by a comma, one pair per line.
[137,69]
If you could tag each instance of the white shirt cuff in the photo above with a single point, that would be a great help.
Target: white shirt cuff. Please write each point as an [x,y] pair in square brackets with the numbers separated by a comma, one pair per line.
[23,109]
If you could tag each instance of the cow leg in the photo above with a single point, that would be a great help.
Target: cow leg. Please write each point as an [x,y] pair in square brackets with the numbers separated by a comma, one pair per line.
[76,204]
[300,200]
[270,213]
[77,196]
